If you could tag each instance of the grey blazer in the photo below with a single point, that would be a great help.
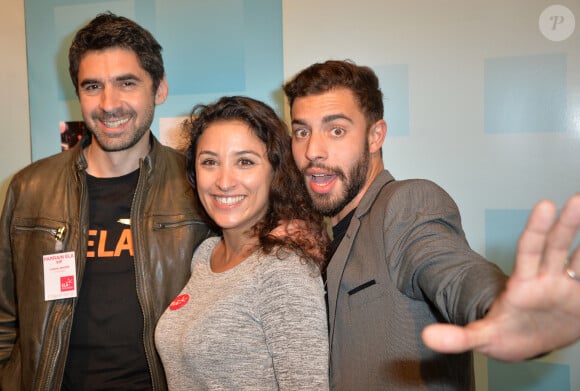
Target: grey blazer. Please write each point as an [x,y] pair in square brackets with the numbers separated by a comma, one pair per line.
[403,263]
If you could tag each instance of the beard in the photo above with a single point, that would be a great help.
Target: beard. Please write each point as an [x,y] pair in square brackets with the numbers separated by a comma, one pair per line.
[329,205]
[121,141]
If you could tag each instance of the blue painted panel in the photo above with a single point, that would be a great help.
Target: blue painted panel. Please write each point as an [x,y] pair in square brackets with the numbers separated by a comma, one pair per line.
[394,81]
[502,230]
[528,376]
[525,94]
[203,45]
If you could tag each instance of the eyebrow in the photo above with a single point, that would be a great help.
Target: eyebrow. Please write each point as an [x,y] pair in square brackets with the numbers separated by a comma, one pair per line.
[128,76]
[238,153]
[326,119]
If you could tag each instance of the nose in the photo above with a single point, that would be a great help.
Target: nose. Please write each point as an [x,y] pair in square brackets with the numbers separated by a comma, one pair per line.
[225,179]
[109,99]
[315,147]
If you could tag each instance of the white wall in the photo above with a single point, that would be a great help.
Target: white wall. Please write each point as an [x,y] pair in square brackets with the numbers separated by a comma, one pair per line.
[15,130]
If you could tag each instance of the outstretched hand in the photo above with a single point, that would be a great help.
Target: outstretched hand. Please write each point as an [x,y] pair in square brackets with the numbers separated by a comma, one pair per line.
[539,310]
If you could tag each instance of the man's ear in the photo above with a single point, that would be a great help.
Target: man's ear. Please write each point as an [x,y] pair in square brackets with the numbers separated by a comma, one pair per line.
[376,136]
[162,91]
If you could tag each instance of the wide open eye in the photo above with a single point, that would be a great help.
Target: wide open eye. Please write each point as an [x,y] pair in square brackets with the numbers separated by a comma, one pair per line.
[301,133]
[337,132]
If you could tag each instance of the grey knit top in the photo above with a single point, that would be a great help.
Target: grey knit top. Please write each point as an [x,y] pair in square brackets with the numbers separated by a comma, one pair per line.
[258,326]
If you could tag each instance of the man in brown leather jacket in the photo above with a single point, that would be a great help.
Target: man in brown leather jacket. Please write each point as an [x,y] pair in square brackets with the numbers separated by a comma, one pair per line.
[96,241]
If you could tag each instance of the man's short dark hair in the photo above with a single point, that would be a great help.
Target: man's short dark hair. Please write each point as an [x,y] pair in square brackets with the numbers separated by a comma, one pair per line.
[331,75]
[107,31]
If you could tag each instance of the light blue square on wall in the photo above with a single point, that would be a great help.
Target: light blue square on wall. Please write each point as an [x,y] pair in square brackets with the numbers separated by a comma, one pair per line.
[502,231]
[528,376]
[203,45]
[394,82]
[525,94]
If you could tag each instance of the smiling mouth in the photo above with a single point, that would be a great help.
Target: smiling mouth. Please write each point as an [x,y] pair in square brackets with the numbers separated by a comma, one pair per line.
[115,124]
[229,200]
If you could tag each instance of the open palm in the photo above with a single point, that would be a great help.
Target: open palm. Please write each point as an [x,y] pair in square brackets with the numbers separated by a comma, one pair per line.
[539,310]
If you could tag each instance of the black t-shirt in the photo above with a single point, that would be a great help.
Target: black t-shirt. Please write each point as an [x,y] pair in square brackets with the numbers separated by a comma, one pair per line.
[106,345]
[339,230]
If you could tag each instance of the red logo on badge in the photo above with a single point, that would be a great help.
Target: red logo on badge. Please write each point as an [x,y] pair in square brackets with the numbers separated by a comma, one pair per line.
[67,283]
[179,302]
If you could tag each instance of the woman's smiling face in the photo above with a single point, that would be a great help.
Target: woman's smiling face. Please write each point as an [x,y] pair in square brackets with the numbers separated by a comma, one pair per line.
[233,175]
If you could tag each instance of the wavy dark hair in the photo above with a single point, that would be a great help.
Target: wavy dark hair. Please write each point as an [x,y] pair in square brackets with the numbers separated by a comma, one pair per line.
[327,76]
[288,197]
[107,31]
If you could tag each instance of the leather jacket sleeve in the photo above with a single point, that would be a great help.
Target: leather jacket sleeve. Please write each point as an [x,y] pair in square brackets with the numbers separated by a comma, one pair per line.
[8,312]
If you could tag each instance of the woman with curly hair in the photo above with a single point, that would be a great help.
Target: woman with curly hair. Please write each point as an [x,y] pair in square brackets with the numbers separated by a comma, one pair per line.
[252,315]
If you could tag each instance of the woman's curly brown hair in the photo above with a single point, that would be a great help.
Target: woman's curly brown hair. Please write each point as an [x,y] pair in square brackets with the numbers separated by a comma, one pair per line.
[288,197]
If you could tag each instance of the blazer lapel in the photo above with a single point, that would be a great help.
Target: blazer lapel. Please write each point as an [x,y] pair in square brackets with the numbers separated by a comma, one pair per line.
[335,270]
[339,260]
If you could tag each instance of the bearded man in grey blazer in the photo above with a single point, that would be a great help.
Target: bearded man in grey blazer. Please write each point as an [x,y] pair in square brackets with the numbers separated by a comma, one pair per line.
[408,299]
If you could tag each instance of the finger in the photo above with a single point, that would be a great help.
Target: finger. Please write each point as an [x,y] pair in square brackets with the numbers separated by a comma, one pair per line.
[561,237]
[447,338]
[533,240]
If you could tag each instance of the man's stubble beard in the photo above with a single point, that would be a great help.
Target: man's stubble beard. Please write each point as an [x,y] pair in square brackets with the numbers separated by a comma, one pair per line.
[353,183]
[116,144]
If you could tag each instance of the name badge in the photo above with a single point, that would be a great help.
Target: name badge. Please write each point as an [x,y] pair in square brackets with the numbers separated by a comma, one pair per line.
[60,277]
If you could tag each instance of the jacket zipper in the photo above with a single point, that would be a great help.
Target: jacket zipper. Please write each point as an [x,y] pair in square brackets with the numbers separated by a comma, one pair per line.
[57,233]
[55,311]
[55,378]
[143,299]
[177,224]
[54,346]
